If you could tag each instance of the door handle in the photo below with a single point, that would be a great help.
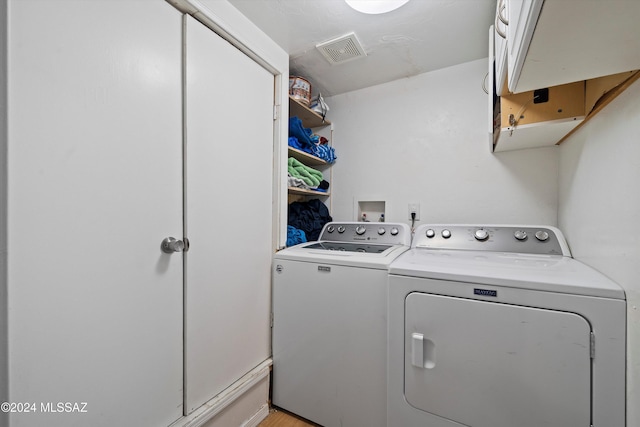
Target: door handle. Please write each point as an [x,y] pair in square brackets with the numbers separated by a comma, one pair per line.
[170,245]
[417,350]
[423,352]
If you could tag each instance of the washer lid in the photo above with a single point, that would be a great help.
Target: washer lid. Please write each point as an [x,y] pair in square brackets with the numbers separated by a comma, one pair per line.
[349,247]
[370,256]
[549,273]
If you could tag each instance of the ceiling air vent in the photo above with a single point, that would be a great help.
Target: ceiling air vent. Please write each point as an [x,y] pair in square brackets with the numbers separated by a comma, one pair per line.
[342,49]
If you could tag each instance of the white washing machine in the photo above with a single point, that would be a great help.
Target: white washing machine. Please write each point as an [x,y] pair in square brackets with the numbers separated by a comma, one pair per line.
[497,326]
[330,323]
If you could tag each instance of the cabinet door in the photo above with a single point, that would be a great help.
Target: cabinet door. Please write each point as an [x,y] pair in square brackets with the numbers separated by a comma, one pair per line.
[95,184]
[523,15]
[229,181]
[499,40]
[573,41]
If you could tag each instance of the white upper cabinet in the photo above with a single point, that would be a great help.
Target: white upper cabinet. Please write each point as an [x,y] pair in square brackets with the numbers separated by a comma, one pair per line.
[522,18]
[553,42]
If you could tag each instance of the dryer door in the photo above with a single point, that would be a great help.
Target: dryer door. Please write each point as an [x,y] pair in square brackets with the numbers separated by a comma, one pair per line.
[486,364]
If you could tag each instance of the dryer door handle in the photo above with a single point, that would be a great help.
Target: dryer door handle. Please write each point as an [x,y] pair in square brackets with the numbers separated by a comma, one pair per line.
[423,351]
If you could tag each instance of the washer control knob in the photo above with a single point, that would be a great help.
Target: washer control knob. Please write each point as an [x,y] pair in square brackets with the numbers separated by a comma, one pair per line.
[330,229]
[341,229]
[446,233]
[481,234]
[520,235]
[542,235]
[360,230]
[430,233]
[381,231]
[394,231]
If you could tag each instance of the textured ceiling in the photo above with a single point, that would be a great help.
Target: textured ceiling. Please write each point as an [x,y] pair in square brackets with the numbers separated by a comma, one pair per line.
[421,36]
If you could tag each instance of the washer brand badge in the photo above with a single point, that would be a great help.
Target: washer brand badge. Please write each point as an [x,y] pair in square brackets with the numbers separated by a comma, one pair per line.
[279,268]
[323,268]
[485,292]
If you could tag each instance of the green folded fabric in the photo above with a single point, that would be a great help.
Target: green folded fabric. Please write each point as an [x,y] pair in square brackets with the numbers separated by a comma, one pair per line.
[309,175]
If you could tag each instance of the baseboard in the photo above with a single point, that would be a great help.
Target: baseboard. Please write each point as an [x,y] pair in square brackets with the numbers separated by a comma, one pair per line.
[215,406]
[258,417]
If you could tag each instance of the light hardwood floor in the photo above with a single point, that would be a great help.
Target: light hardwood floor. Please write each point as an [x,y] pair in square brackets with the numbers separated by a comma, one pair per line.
[279,418]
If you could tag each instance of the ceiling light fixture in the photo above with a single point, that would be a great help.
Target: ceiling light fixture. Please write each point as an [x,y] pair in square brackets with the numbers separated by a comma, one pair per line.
[375,6]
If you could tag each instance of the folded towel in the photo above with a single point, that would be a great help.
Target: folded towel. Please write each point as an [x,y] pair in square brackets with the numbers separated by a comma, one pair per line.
[325,152]
[309,175]
[321,151]
[297,182]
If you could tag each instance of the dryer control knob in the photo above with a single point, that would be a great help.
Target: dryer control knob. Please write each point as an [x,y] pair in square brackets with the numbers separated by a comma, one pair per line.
[394,231]
[360,230]
[542,235]
[330,229]
[341,229]
[430,233]
[381,231]
[446,233]
[520,235]
[481,234]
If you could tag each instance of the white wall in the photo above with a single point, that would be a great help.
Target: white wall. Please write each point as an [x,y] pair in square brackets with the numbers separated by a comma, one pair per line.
[424,140]
[599,211]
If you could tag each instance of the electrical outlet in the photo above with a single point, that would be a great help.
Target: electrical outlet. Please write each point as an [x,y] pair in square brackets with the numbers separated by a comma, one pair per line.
[414,207]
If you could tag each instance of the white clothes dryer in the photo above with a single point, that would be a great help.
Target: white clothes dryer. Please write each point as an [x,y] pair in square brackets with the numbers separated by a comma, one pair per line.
[497,326]
[330,324]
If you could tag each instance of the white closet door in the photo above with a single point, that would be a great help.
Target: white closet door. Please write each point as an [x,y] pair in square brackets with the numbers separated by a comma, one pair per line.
[229,176]
[95,184]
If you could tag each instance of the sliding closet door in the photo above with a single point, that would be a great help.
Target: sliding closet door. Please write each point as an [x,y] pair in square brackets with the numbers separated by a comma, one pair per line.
[229,176]
[95,184]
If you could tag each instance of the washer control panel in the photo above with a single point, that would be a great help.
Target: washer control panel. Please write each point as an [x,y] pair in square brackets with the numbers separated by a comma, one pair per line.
[496,238]
[387,233]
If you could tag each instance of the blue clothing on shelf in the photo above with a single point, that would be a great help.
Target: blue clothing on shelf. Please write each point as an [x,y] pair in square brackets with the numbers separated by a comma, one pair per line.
[293,142]
[303,134]
[309,217]
[326,153]
[295,236]
[321,151]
